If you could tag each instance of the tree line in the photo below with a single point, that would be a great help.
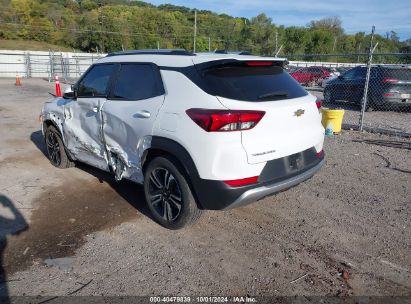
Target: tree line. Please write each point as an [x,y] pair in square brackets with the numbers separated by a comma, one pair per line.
[112,25]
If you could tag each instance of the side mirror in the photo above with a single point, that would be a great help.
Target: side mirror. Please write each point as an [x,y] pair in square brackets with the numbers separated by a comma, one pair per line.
[69,93]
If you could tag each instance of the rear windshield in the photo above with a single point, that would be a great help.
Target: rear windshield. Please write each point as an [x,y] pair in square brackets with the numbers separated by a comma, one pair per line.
[251,83]
[399,73]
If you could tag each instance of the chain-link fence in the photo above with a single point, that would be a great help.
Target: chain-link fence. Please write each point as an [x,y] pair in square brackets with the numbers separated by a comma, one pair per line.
[343,81]
[340,80]
[68,66]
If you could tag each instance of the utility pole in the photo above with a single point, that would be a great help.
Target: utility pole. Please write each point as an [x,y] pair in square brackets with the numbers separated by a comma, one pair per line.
[335,43]
[367,79]
[100,4]
[276,41]
[195,31]
[209,44]
[359,49]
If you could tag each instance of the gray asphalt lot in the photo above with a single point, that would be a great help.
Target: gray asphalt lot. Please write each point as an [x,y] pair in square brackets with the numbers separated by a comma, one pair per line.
[346,231]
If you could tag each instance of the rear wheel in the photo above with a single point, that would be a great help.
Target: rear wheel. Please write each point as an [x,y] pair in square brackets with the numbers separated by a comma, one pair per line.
[168,194]
[328,96]
[56,151]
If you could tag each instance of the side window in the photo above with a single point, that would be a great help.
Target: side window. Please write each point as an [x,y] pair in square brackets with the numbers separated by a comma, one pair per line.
[350,74]
[95,81]
[361,73]
[137,81]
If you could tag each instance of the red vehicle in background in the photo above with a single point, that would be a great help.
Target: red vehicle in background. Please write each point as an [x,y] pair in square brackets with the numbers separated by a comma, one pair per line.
[311,76]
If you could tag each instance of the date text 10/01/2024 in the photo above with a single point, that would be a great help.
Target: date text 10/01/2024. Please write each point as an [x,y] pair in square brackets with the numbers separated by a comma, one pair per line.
[206,299]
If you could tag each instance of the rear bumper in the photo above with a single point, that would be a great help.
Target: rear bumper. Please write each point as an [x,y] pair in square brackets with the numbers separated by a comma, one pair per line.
[397,101]
[277,175]
[256,194]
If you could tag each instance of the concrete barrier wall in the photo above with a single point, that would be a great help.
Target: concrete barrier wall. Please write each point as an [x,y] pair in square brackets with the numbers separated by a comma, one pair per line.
[322,63]
[68,65]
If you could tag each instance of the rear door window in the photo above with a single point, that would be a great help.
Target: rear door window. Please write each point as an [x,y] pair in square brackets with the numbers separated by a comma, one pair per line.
[349,75]
[95,82]
[398,73]
[137,81]
[251,83]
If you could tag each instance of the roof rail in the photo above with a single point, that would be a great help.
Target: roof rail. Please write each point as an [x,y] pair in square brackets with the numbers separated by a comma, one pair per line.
[153,52]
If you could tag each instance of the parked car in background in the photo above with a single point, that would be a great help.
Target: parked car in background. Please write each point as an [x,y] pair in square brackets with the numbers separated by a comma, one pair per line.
[291,68]
[335,72]
[311,76]
[389,86]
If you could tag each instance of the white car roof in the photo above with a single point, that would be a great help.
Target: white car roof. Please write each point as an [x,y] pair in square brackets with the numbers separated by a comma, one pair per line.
[170,60]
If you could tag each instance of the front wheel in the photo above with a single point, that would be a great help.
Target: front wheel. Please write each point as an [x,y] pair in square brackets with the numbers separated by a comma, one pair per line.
[56,151]
[168,194]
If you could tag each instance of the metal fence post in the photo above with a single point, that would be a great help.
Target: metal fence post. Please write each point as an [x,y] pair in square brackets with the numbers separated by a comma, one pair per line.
[367,81]
[77,68]
[63,67]
[28,64]
[51,71]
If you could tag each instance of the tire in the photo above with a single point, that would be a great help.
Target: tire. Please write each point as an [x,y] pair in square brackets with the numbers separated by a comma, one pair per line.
[168,194]
[370,108]
[56,151]
[328,96]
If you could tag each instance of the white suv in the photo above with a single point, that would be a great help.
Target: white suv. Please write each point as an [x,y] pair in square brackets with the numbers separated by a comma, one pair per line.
[200,131]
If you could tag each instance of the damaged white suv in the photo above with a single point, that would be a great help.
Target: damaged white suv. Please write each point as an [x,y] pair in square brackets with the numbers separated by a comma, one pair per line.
[200,131]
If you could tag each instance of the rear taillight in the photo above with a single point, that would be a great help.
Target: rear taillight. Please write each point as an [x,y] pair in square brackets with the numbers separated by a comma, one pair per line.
[320,154]
[390,80]
[242,182]
[319,103]
[388,94]
[225,120]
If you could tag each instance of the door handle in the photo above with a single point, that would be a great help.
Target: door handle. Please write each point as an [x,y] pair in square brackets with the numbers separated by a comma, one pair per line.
[95,109]
[142,114]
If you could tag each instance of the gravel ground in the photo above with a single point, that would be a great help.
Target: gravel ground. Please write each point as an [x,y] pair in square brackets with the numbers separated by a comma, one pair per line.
[346,231]
[390,120]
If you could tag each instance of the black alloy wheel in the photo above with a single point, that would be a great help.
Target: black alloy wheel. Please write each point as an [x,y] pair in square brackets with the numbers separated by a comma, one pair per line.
[164,194]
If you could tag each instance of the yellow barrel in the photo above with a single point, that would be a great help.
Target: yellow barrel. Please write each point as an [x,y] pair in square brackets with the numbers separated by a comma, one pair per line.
[335,117]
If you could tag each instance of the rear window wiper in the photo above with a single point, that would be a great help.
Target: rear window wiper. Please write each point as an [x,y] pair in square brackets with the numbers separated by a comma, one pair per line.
[273,94]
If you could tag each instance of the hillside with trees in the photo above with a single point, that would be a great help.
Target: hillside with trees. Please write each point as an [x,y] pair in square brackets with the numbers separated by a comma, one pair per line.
[111,25]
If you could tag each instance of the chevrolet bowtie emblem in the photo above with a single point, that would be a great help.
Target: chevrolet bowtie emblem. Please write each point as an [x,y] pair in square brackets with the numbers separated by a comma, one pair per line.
[299,112]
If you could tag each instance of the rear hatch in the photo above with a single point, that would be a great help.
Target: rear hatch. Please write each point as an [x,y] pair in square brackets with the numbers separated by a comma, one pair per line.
[398,81]
[291,122]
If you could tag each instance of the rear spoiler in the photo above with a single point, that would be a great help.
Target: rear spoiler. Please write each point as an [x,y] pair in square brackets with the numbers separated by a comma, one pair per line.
[252,61]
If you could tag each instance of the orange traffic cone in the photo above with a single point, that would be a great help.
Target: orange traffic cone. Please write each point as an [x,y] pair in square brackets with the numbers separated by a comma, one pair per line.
[18,81]
[58,89]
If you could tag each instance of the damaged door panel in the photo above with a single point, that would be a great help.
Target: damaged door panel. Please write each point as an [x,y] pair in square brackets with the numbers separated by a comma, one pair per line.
[83,119]
[83,133]
[128,118]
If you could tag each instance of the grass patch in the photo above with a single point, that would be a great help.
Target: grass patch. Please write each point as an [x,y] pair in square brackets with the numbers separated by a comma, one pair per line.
[30,45]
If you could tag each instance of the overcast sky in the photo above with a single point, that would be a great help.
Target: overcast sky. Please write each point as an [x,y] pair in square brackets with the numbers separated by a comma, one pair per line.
[357,15]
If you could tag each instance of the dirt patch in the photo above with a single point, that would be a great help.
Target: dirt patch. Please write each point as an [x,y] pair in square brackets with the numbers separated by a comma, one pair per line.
[26,159]
[65,215]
